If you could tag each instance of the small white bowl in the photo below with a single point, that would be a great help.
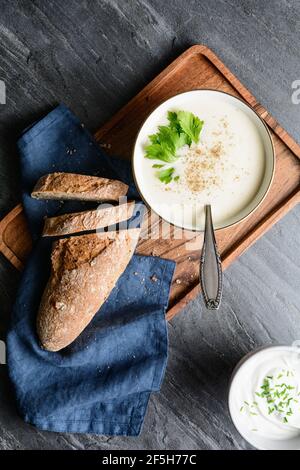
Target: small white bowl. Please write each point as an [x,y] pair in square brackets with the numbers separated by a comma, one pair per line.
[256,440]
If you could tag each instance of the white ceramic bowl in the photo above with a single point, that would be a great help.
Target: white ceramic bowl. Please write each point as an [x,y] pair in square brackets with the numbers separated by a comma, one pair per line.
[193,100]
[238,375]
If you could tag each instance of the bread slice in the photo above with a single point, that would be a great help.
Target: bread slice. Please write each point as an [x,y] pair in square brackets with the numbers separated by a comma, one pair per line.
[78,187]
[84,271]
[87,220]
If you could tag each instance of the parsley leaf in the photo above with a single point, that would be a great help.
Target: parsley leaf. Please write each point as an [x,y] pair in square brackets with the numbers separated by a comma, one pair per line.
[190,124]
[170,137]
[183,129]
[175,125]
[166,175]
[164,144]
[172,118]
[160,152]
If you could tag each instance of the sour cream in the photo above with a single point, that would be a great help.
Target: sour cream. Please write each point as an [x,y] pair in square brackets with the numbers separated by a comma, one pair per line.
[264,397]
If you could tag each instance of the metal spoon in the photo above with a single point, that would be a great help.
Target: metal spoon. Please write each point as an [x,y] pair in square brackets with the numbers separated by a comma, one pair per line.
[210,265]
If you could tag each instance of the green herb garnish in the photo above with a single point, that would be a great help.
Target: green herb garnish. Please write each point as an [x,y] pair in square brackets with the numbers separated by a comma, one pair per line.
[163,145]
[190,124]
[183,129]
[165,176]
[277,396]
[176,126]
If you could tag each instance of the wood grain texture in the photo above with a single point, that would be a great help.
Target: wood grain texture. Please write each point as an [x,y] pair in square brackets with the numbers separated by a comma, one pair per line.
[198,67]
[15,239]
[95,55]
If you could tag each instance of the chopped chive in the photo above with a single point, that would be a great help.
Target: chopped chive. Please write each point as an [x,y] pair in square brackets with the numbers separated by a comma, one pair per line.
[277,398]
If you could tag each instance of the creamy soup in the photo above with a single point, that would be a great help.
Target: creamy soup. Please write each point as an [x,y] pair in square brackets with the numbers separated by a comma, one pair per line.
[225,169]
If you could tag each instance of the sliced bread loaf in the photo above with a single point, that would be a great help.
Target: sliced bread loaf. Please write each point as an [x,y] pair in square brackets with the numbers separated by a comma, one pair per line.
[84,271]
[78,187]
[87,220]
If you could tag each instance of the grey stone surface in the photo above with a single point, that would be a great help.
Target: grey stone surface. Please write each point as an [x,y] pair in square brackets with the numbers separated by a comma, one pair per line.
[94,56]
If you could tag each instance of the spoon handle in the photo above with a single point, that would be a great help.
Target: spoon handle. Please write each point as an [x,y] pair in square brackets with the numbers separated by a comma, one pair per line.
[210,265]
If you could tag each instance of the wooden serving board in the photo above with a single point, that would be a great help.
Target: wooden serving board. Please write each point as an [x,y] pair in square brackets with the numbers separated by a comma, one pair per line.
[198,67]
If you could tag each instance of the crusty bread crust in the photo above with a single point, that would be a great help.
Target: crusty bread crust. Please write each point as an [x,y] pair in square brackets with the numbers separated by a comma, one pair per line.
[78,187]
[87,220]
[84,271]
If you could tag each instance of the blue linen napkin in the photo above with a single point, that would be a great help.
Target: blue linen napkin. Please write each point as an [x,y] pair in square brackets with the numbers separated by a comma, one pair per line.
[101,383]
